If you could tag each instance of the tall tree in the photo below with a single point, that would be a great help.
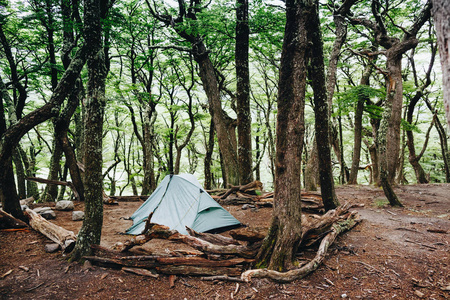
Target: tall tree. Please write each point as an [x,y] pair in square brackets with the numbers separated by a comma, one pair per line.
[316,74]
[90,233]
[243,93]
[186,26]
[280,244]
[11,136]
[395,48]
[441,15]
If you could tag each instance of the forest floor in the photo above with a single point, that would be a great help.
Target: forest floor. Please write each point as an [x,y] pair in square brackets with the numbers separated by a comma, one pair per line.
[394,253]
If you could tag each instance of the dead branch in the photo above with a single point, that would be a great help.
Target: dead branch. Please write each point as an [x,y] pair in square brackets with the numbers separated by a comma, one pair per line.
[207,247]
[222,278]
[248,188]
[212,238]
[247,234]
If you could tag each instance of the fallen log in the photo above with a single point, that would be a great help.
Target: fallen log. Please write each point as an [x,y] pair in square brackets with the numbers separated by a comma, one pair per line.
[247,234]
[212,238]
[27,201]
[199,271]
[8,221]
[251,187]
[312,265]
[176,265]
[133,198]
[207,247]
[66,239]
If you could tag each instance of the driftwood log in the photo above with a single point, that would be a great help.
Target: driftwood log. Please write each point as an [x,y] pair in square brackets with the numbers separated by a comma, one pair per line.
[7,221]
[66,239]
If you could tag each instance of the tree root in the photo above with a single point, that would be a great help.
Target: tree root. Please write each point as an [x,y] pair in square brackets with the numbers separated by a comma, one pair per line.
[337,228]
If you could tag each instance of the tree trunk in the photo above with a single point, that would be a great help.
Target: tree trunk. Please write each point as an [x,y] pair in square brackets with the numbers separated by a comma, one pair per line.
[225,127]
[20,174]
[29,163]
[441,15]
[311,173]
[382,141]
[395,97]
[322,128]
[51,191]
[243,93]
[279,246]
[208,157]
[90,231]
[358,127]
[149,182]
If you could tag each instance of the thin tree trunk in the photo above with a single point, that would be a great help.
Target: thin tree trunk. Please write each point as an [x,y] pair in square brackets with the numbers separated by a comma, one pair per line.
[208,157]
[322,124]
[243,93]
[51,191]
[358,126]
[311,174]
[20,174]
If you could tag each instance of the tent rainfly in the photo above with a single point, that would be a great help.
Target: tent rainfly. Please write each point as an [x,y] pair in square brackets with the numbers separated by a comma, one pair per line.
[180,201]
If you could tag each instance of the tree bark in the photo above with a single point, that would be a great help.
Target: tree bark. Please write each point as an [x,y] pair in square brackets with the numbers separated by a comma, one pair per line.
[358,126]
[90,232]
[208,157]
[382,141]
[322,124]
[278,249]
[441,15]
[243,93]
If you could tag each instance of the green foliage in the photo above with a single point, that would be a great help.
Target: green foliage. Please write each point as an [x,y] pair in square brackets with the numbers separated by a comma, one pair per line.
[347,100]
[405,125]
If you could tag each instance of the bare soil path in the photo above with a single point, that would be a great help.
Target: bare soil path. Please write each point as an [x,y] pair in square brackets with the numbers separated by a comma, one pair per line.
[395,253]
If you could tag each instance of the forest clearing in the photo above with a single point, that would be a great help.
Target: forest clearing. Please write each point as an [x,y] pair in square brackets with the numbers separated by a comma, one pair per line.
[105,98]
[394,253]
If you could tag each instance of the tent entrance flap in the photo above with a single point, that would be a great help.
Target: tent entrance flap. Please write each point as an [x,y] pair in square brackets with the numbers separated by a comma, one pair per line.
[180,201]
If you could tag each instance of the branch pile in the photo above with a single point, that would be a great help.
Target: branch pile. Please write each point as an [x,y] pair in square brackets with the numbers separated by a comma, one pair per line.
[217,255]
[253,194]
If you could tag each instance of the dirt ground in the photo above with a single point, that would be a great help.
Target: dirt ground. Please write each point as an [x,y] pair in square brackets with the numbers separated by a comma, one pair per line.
[394,253]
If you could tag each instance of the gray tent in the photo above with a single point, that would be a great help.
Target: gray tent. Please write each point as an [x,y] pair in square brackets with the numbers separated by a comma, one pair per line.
[180,201]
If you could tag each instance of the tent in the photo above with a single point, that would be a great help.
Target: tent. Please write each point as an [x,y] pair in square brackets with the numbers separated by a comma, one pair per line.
[180,201]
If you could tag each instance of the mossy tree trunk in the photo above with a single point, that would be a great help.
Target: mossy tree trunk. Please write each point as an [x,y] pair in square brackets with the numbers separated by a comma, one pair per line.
[243,93]
[90,232]
[316,70]
[282,241]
